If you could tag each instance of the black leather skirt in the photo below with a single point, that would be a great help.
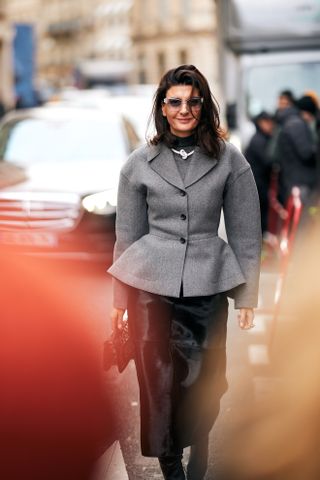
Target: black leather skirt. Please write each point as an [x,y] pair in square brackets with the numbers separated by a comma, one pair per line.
[180,356]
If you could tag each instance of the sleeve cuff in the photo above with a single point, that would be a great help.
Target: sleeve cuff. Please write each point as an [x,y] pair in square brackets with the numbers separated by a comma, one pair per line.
[120,294]
[245,299]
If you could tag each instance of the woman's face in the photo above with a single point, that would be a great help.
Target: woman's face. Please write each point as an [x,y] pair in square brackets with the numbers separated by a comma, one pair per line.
[182,119]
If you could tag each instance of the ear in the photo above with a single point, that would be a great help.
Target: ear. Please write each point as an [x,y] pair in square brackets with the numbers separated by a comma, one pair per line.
[164,109]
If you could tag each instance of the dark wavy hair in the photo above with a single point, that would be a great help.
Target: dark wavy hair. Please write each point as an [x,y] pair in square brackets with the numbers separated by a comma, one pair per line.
[208,134]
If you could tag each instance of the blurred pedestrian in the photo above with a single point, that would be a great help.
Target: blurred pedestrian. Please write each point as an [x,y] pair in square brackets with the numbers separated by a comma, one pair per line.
[2,109]
[312,117]
[309,112]
[285,99]
[313,95]
[257,155]
[173,273]
[296,147]
[286,103]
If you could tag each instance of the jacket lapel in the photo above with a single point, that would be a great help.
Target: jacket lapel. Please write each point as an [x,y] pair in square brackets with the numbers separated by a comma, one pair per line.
[162,161]
[200,165]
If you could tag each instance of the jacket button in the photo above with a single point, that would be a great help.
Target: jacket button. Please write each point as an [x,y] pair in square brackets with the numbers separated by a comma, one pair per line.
[183,216]
[182,240]
[182,193]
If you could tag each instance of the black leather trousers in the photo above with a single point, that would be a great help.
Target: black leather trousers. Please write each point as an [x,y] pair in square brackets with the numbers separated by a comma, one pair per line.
[180,356]
[171,467]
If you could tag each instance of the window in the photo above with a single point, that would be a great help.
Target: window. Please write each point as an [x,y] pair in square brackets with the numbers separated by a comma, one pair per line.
[186,7]
[183,56]
[142,76]
[163,10]
[142,68]
[161,63]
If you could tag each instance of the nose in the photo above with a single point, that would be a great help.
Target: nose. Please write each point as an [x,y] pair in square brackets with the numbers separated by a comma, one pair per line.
[184,108]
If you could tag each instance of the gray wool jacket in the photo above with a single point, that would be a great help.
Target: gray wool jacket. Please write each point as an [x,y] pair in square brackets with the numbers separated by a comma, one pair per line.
[167,229]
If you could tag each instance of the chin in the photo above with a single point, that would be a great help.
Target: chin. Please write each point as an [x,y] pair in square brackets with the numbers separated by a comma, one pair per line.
[184,131]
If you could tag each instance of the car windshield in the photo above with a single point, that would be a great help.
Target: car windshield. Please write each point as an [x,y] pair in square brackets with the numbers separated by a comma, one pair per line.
[295,77]
[33,140]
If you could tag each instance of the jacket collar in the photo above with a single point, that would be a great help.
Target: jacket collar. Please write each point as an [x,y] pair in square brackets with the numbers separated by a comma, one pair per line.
[162,161]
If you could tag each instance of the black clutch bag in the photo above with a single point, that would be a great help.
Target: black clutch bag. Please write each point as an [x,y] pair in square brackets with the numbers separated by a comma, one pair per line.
[118,349]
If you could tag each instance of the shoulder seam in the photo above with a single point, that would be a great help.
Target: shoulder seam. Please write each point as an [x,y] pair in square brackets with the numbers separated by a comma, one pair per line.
[140,189]
[240,173]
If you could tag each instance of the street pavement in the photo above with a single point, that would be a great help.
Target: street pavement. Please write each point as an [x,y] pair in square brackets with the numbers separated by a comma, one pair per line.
[248,376]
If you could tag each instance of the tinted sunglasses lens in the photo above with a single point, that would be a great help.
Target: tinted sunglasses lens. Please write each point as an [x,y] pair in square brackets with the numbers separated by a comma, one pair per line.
[174,102]
[195,102]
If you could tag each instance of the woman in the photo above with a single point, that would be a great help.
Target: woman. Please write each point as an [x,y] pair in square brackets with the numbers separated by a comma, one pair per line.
[173,273]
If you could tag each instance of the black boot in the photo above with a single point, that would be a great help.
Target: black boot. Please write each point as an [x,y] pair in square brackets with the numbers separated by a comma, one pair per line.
[198,460]
[172,468]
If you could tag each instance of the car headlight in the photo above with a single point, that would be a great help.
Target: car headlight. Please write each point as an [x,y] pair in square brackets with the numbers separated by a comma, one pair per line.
[102,203]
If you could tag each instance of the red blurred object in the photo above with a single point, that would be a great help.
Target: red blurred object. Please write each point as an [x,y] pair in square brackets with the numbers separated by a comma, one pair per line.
[277,213]
[55,416]
[285,242]
[290,225]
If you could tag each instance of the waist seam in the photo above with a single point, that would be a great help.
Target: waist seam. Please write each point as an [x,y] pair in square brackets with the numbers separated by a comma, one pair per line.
[188,237]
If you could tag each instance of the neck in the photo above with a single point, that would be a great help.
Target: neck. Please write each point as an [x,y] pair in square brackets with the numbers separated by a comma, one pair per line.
[184,141]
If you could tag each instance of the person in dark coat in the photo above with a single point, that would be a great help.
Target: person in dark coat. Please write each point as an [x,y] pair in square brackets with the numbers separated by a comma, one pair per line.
[296,149]
[2,110]
[173,273]
[257,155]
[285,99]
[310,113]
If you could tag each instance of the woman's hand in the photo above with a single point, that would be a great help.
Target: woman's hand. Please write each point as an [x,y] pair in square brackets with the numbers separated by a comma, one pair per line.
[245,318]
[117,318]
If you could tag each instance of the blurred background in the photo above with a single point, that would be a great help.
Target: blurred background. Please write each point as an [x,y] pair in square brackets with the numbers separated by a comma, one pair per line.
[248,51]
[77,79]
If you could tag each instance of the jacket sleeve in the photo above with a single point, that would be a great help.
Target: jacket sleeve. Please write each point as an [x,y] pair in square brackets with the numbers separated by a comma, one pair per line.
[242,220]
[131,224]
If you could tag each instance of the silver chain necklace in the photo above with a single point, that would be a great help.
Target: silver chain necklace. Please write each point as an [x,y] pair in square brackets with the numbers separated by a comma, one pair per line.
[183,153]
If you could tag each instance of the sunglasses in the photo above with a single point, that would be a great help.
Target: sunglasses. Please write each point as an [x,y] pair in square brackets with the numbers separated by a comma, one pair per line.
[194,103]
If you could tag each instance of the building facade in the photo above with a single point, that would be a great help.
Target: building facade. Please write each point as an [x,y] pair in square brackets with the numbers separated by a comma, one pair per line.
[77,37]
[168,33]
[7,97]
[115,41]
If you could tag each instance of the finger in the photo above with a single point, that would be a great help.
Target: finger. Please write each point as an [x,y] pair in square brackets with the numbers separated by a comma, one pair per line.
[245,318]
[249,320]
[250,317]
[242,319]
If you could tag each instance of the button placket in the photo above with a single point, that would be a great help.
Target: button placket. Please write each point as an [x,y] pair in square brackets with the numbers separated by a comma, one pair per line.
[183,217]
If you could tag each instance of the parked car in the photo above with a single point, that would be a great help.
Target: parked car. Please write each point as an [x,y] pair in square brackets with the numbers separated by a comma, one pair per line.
[59,170]
[137,108]
[133,102]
